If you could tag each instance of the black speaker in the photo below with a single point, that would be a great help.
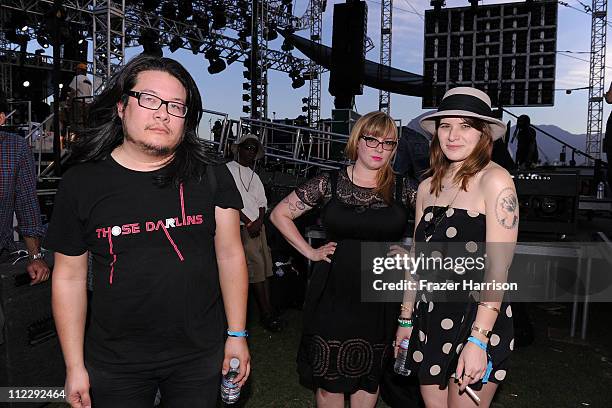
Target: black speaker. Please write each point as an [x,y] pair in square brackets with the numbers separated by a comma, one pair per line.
[30,354]
[548,201]
[348,51]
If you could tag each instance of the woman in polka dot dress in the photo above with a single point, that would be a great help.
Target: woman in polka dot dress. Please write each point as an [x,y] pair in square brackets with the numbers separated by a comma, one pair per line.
[469,202]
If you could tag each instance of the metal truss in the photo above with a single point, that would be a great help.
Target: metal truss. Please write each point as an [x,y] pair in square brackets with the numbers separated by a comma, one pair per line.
[596,78]
[386,22]
[116,27]
[259,79]
[108,39]
[6,77]
[315,17]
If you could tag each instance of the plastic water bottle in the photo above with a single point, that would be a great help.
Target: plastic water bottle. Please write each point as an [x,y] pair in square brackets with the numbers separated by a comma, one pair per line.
[400,360]
[601,187]
[230,392]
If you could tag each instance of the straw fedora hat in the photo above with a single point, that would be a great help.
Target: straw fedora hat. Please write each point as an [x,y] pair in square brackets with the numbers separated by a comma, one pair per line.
[465,101]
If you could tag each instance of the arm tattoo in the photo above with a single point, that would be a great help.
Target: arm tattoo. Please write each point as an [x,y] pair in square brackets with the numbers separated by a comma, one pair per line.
[294,207]
[506,208]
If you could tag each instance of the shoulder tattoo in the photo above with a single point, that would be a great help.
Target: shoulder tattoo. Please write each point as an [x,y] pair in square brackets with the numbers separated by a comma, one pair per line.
[294,207]
[506,208]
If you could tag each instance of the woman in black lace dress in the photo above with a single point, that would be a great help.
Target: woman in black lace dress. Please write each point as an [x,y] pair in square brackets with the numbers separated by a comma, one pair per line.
[344,341]
[466,206]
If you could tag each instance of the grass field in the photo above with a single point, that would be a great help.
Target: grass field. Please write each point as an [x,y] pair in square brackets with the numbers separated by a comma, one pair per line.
[552,372]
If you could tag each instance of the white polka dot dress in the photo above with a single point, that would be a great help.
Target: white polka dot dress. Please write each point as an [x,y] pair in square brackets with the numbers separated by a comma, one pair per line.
[441,328]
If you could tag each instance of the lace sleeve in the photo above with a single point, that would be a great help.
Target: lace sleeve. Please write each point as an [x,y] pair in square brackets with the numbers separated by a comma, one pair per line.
[316,191]
[409,192]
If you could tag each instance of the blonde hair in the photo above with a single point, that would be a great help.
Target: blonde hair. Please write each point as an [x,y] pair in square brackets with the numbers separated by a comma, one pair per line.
[476,160]
[378,125]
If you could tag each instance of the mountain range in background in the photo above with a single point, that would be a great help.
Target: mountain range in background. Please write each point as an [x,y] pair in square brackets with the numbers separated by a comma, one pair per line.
[549,148]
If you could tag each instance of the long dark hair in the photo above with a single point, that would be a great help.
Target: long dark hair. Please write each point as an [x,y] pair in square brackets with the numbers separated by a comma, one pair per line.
[104,129]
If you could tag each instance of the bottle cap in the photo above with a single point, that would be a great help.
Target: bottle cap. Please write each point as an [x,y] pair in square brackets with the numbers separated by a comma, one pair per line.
[234,363]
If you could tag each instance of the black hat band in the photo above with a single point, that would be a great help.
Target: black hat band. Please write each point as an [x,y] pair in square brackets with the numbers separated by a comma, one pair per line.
[466,103]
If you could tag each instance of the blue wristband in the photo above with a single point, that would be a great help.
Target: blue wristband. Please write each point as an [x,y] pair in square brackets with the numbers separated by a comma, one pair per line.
[485,379]
[477,342]
[243,333]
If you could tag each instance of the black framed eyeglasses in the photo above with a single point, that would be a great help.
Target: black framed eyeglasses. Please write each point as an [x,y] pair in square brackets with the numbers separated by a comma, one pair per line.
[152,102]
[373,143]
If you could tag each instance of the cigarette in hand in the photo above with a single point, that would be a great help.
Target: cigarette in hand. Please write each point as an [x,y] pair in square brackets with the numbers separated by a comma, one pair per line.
[469,391]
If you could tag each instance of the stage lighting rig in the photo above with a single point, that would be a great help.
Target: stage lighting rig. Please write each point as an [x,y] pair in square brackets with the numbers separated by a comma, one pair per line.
[195,45]
[216,65]
[42,41]
[168,10]
[149,39]
[437,5]
[185,9]
[219,17]
[150,5]
[298,82]
[175,43]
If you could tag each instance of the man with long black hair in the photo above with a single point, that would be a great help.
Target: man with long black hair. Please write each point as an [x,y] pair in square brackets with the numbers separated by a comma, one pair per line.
[162,225]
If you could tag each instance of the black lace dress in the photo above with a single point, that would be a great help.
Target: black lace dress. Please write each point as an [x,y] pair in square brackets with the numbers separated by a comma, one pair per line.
[345,341]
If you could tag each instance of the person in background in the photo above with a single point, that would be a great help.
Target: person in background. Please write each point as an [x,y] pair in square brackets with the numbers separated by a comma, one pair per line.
[246,151]
[607,142]
[18,197]
[79,96]
[527,145]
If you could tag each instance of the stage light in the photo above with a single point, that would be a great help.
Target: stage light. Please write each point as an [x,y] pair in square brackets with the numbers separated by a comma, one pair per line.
[246,75]
[176,43]
[202,22]
[298,82]
[42,41]
[287,46]
[185,9]
[246,97]
[26,84]
[219,18]
[246,86]
[269,33]
[216,66]
[194,44]
[212,53]
[304,100]
[168,10]
[246,109]
[150,5]
[149,39]
[61,86]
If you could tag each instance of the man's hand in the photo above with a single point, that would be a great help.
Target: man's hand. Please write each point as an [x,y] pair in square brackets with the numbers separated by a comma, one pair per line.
[77,388]
[254,228]
[237,347]
[38,271]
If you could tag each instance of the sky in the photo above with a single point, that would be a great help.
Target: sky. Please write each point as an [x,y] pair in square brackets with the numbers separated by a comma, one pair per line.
[223,92]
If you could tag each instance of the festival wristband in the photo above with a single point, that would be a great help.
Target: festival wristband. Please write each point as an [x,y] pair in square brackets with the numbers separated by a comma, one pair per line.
[404,323]
[477,342]
[483,346]
[242,333]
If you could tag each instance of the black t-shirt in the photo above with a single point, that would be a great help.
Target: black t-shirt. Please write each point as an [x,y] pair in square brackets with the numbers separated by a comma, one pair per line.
[156,295]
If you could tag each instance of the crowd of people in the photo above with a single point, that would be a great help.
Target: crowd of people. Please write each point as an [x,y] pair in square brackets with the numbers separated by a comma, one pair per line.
[175,239]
